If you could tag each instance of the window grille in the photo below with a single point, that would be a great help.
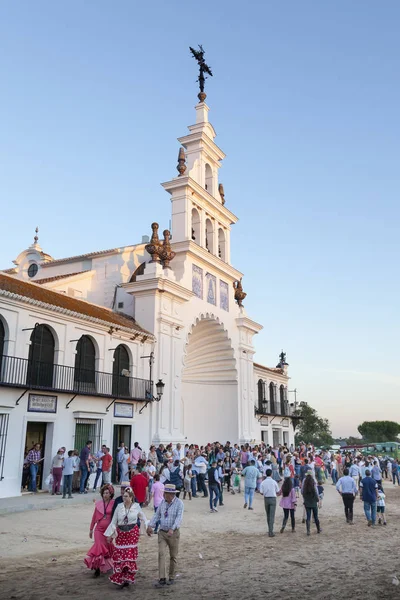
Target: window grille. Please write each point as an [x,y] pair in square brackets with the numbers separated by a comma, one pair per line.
[88,429]
[4,418]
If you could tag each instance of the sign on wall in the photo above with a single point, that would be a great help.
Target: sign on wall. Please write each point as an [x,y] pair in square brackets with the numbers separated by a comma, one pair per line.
[42,404]
[123,409]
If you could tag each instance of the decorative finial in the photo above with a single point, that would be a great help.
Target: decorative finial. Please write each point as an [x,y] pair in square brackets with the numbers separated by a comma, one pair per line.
[240,295]
[204,68]
[221,193]
[282,361]
[181,162]
[167,253]
[154,247]
[36,238]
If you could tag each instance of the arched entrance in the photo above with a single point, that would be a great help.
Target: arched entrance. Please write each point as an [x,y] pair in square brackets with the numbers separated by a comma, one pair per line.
[209,385]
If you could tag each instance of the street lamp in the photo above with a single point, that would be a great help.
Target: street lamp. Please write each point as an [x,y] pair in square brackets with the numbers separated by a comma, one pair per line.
[160,385]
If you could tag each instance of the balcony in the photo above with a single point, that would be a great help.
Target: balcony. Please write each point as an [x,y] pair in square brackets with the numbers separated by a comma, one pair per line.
[273,408]
[23,373]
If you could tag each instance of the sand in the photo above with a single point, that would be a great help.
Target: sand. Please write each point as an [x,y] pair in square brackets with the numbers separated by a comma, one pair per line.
[41,555]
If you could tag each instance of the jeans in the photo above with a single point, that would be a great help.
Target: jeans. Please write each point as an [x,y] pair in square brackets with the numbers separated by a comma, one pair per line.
[193,485]
[334,476]
[33,469]
[314,511]
[67,485]
[395,475]
[84,476]
[98,475]
[286,512]
[370,511]
[249,495]
[214,489]
[202,484]
[348,501]
[270,508]
[221,496]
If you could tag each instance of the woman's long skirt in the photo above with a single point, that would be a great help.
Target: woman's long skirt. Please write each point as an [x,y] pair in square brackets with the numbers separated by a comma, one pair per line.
[124,555]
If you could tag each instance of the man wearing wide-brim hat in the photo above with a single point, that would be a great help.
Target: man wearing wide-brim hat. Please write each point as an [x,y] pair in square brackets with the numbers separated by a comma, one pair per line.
[169,514]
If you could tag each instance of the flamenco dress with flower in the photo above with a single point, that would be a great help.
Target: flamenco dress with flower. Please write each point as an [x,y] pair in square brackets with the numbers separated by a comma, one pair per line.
[99,555]
[125,551]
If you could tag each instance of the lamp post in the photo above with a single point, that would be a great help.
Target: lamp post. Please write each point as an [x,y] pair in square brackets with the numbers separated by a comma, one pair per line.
[160,385]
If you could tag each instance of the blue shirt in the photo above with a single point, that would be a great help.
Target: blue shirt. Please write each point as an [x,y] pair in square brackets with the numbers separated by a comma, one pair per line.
[346,485]
[250,476]
[369,487]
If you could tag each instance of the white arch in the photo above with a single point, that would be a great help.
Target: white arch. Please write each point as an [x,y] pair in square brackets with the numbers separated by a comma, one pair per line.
[208,179]
[221,244]
[209,236]
[196,226]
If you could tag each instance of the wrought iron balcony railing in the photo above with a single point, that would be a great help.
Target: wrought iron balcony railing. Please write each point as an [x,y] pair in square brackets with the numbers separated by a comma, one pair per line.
[273,408]
[36,375]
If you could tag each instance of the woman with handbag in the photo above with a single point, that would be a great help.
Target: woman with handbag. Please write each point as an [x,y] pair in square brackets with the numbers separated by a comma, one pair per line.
[125,530]
[98,558]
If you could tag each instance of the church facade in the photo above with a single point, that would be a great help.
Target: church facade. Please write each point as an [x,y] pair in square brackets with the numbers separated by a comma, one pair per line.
[85,339]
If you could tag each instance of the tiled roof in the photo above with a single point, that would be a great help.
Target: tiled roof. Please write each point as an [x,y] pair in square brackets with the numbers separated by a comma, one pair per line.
[60,261]
[57,277]
[36,294]
[272,370]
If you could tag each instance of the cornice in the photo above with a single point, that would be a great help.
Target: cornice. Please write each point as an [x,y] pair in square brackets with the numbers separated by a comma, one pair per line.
[244,321]
[207,259]
[213,203]
[197,136]
[158,284]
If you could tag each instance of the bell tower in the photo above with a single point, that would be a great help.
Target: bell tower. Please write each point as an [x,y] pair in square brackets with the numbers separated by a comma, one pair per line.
[199,213]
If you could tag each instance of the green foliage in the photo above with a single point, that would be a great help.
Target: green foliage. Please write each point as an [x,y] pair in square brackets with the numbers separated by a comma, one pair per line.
[379,431]
[312,428]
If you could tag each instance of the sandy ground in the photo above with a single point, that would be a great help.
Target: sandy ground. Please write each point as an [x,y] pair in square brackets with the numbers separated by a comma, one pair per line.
[42,551]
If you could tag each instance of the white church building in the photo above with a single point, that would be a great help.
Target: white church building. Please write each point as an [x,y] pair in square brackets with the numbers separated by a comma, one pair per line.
[78,334]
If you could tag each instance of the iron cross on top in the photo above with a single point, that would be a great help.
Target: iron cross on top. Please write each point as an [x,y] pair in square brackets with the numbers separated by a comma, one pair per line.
[204,68]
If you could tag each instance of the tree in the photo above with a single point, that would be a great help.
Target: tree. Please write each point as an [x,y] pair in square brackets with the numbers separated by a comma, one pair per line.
[379,431]
[312,428]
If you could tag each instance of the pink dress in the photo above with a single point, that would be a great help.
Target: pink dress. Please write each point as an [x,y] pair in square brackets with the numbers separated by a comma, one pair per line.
[99,555]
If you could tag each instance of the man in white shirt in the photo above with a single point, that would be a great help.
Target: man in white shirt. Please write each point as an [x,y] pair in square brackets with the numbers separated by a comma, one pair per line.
[201,467]
[269,489]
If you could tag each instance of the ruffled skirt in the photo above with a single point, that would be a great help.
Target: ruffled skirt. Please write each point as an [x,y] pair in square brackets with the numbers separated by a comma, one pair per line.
[124,556]
[99,555]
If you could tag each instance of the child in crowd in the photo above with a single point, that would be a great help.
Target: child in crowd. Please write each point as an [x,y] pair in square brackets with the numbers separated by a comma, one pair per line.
[380,509]
[187,482]
[296,485]
[320,489]
[236,470]
[157,493]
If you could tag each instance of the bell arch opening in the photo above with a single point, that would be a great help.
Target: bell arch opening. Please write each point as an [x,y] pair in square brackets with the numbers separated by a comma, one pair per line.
[209,385]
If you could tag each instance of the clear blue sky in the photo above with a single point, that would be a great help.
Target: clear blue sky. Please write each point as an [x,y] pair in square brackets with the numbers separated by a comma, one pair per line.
[305,100]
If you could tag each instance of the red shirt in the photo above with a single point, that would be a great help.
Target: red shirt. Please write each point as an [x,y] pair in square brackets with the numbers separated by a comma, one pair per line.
[106,462]
[139,485]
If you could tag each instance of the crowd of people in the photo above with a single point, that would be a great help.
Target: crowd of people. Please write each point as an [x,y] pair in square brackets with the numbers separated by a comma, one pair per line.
[157,479]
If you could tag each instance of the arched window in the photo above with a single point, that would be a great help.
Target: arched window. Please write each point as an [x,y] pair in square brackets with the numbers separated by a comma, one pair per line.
[208,179]
[41,357]
[85,365]
[221,244]
[262,401]
[2,338]
[195,226]
[282,399]
[272,398]
[139,271]
[120,387]
[209,236]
